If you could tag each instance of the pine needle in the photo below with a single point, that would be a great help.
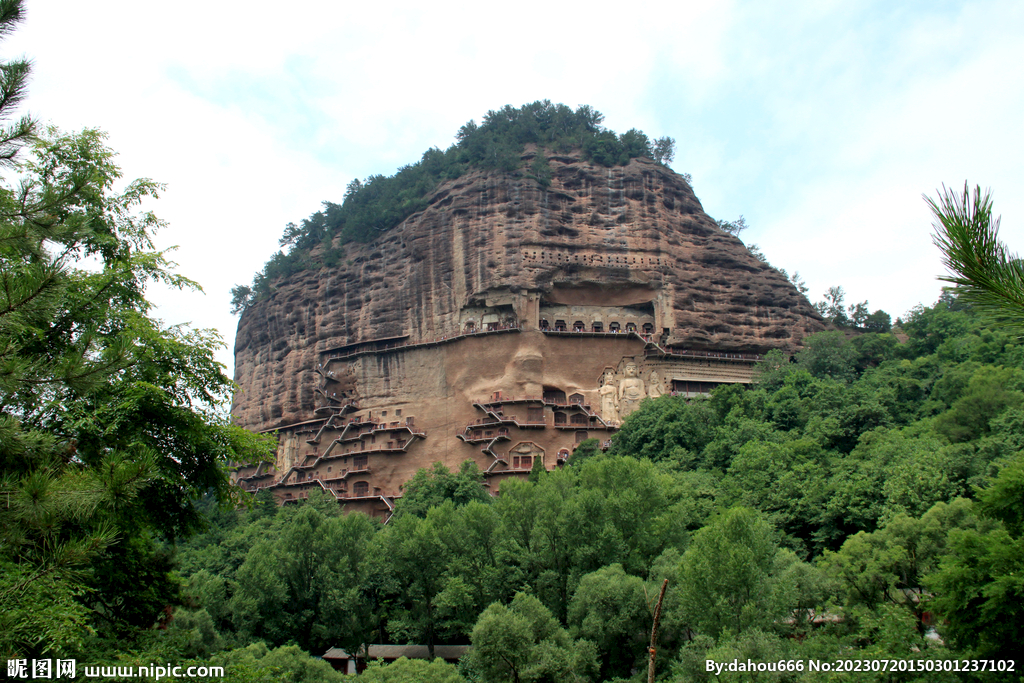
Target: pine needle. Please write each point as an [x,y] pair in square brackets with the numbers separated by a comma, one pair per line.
[986,274]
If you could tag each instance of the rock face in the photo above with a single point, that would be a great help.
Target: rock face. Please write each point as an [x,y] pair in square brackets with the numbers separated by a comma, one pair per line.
[544,315]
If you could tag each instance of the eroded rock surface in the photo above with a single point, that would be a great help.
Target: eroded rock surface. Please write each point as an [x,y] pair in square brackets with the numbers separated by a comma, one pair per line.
[627,254]
[596,236]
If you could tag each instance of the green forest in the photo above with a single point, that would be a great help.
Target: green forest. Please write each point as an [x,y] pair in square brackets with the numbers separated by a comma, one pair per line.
[380,202]
[861,501]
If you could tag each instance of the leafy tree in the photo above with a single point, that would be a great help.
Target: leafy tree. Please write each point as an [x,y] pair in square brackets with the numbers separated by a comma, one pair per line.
[1002,498]
[524,642]
[578,519]
[887,566]
[664,425]
[879,321]
[196,633]
[875,348]
[798,282]
[587,448]
[828,354]
[888,473]
[893,632]
[540,169]
[785,481]
[429,488]
[989,392]
[477,571]
[771,371]
[858,313]
[733,436]
[610,609]
[108,421]
[605,149]
[537,471]
[427,603]
[753,645]
[305,585]
[673,630]
[979,587]
[241,296]
[831,307]
[404,670]
[560,537]
[665,150]
[636,144]
[636,501]
[256,663]
[729,575]
[756,252]
[930,328]
[735,227]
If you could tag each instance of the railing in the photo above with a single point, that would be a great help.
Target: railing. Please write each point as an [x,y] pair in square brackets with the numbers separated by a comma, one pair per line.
[338,402]
[497,417]
[360,470]
[486,421]
[444,339]
[713,354]
[469,437]
[375,430]
[649,339]
[580,425]
[397,445]
[594,333]
[500,399]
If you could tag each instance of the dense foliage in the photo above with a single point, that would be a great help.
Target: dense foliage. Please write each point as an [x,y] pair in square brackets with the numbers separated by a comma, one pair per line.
[859,497]
[109,421]
[381,202]
[863,500]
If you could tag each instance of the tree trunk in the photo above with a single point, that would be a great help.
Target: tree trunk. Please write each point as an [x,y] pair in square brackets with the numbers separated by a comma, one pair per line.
[654,633]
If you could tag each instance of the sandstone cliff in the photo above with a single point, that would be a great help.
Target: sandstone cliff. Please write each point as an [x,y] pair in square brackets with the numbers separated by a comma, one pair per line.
[496,249]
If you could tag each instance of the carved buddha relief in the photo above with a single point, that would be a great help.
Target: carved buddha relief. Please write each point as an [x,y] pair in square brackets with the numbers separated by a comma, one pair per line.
[287,452]
[608,393]
[631,390]
[654,386]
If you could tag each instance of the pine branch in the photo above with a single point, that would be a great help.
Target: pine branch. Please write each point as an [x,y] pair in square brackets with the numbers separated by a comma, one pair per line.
[985,272]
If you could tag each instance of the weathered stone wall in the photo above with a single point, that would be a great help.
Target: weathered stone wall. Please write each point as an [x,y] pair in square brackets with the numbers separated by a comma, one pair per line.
[451,337]
[597,237]
[499,399]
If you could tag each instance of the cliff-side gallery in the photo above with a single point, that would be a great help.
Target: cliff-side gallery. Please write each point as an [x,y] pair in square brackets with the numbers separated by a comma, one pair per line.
[504,323]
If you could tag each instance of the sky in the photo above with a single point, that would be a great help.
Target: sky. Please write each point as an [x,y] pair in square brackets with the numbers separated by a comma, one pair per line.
[821,122]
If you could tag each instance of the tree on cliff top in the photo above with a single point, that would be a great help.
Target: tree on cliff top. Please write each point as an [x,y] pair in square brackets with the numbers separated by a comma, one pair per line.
[379,203]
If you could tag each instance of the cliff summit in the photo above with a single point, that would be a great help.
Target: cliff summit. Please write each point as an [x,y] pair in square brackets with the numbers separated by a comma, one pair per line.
[511,317]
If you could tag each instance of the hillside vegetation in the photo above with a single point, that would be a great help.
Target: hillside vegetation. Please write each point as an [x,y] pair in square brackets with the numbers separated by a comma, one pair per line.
[380,203]
[861,502]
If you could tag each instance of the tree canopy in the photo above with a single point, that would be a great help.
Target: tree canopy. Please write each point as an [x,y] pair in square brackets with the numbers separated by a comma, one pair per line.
[379,203]
[110,422]
[855,502]
[857,498]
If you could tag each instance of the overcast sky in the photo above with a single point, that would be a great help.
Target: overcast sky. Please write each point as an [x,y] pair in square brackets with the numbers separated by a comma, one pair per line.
[820,122]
